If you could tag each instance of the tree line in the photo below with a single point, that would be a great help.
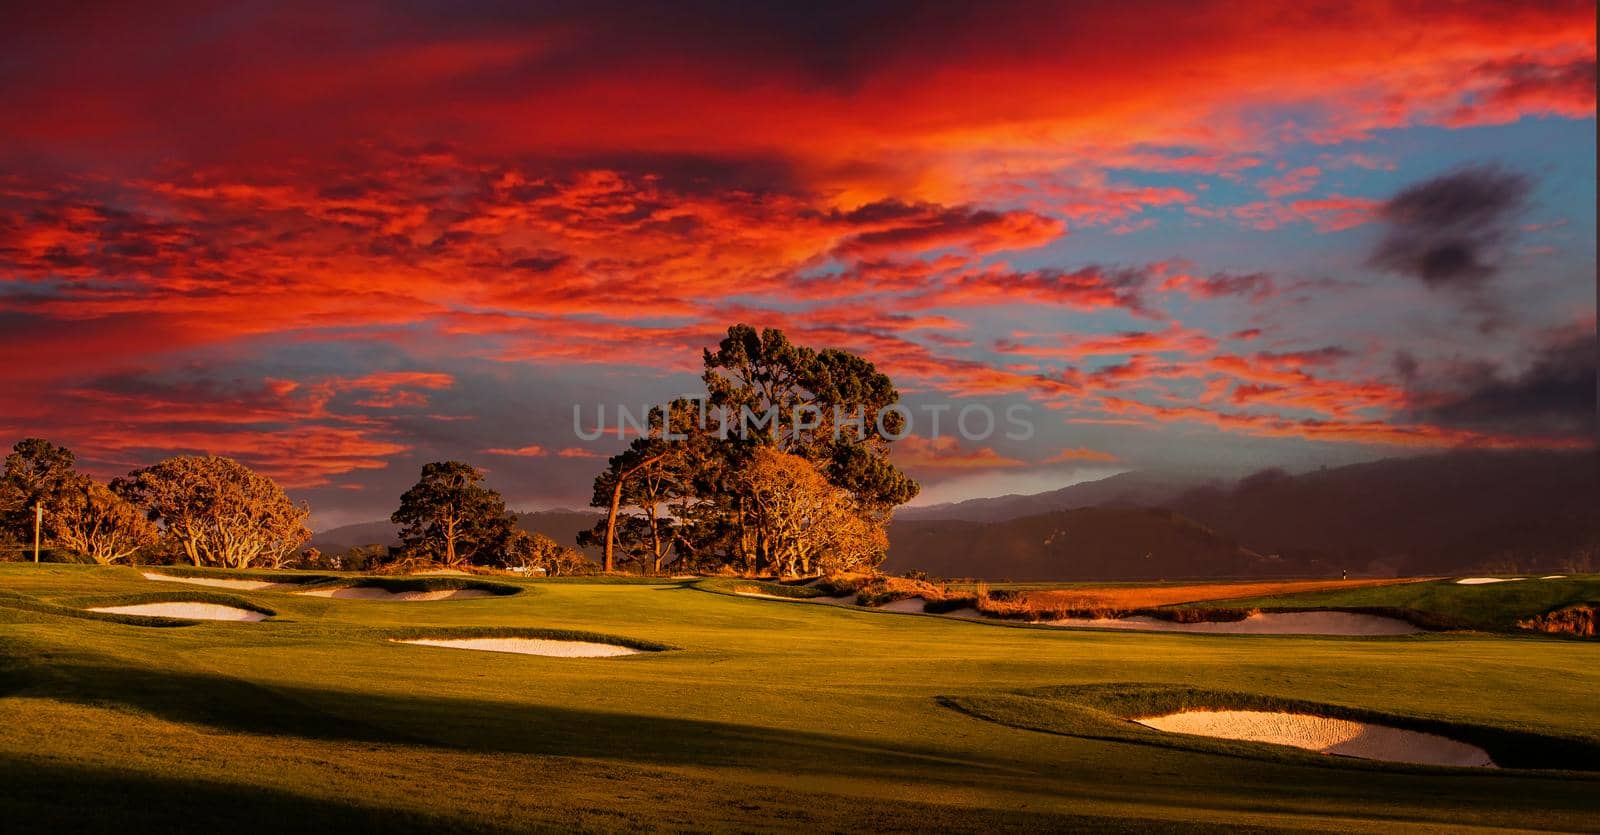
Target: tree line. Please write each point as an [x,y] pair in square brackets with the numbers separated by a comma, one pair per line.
[215,511]
[809,489]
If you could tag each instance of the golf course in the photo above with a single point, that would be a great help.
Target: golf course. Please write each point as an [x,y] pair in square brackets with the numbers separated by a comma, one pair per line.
[724,710]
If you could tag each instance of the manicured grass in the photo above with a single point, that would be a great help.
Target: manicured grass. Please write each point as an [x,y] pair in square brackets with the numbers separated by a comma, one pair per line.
[766,715]
[1494,606]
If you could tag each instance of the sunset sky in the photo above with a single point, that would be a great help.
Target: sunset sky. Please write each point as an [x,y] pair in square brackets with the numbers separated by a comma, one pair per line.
[337,241]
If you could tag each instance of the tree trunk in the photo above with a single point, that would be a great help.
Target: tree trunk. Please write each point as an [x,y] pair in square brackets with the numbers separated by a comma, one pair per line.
[616,501]
[611,527]
[655,539]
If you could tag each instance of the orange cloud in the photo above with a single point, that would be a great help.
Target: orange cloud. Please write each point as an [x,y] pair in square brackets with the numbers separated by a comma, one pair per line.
[1076,454]
[947,453]
[529,451]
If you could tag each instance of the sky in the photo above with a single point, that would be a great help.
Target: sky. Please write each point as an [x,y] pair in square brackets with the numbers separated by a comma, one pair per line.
[337,241]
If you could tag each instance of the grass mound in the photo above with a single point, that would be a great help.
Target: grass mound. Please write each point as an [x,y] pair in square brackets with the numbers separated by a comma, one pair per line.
[78,607]
[214,598]
[1443,604]
[400,585]
[1104,712]
[735,585]
[265,576]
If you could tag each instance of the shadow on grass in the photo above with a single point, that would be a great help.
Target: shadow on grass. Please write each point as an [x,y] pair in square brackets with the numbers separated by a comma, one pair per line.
[55,798]
[467,724]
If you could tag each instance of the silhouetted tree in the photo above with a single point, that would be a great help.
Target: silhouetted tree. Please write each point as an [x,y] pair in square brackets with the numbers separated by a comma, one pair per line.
[449,516]
[37,474]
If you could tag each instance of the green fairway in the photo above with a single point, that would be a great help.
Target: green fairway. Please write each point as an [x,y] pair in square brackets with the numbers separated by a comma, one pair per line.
[757,715]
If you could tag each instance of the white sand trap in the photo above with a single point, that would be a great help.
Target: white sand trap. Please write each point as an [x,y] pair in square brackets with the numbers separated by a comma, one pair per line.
[375,593]
[189,611]
[431,572]
[1262,623]
[241,585]
[1554,577]
[1484,581]
[913,605]
[530,646]
[1320,733]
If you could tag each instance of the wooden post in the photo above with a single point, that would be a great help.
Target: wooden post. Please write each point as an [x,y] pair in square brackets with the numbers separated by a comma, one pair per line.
[38,519]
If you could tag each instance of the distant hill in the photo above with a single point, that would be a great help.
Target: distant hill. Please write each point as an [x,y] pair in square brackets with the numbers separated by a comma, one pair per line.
[1437,514]
[1135,489]
[1458,511]
[561,525]
[1454,512]
[1087,543]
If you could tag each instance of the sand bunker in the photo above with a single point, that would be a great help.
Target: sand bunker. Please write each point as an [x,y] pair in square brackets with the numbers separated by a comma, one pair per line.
[241,585]
[912,605]
[1320,733]
[375,593]
[188,611]
[529,646]
[1263,623]
[1483,581]
[1554,577]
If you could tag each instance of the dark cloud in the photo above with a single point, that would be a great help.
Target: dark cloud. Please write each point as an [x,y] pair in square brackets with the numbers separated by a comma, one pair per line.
[1448,231]
[1555,395]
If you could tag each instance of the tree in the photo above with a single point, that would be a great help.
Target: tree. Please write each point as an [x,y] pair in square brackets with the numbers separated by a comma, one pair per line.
[449,516]
[37,474]
[830,406]
[218,511]
[805,523]
[630,537]
[826,409]
[91,520]
[530,551]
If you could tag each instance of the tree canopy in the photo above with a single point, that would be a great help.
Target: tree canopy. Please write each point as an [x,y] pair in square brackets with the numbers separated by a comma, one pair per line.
[786,436]
[91,520]
[449,516]
[37,474]
[217,511]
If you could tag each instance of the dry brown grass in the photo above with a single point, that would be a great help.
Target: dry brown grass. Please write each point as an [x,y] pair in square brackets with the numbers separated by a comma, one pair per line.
[1124,598]
[1090,602]
[1574,620]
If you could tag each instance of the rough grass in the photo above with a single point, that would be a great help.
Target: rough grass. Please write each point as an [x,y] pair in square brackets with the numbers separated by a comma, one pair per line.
[732,585]
[1126,598]
[1500,607]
